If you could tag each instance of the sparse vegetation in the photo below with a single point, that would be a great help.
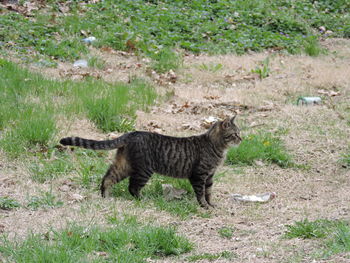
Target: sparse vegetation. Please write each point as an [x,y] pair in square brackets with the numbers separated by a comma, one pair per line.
[262,146]
[212,257]
[29,106]
[121,243]
[226,232]
[44,200]
[264,69]
[7,203]
[335,234]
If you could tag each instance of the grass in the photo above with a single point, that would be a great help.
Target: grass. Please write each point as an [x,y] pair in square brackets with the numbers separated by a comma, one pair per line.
[212,256]
[211,67]
[124,242]
[335,234]
[44,200]
[226,232]
[31,104]
[153,28]
[7,203]
[264,69]
[262,146]
[166,59]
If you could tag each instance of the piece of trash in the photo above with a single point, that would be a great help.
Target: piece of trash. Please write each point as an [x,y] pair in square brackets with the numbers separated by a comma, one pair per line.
[260,198]
[309,101]
[89,40]
[81,63]
[207,122]
[171,193]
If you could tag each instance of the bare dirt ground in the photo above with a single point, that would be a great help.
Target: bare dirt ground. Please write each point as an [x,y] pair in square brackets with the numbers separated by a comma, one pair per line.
[315,136]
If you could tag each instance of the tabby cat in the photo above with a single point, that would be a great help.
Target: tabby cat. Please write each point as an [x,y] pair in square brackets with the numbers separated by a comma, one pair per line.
[140,154]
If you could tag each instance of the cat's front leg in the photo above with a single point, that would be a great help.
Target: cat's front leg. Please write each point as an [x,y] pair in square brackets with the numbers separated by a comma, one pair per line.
[208,189]
[198,185]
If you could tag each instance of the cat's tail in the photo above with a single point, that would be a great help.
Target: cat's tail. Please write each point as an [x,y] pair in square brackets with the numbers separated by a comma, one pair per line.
[92,144]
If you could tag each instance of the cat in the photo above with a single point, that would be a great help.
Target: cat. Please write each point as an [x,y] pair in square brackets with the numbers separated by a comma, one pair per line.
[141,153]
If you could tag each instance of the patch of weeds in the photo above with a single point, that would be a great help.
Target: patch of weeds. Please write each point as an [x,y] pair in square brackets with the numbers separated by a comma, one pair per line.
[308,229]
[7,203]
[96,62]
[264,69]
[166,59]
[334,234]
[122,243]
[226,232]
[261,146]
[44,200]
[340,242]
[312,47]
[211,67]
[212,256]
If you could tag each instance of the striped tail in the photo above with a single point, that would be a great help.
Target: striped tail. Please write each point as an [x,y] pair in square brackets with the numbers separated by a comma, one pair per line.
[92,144]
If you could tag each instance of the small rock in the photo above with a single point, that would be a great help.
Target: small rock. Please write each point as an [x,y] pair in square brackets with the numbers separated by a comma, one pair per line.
[207,122]
[64,188]
[171,193]
[322,29]
[89,40]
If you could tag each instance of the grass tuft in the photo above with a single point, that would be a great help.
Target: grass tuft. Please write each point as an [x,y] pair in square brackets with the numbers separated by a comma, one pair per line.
[7,203]
[261,146]
[166,59]
[226,232]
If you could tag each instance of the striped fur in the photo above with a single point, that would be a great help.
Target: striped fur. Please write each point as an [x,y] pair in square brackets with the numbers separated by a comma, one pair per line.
[140,154]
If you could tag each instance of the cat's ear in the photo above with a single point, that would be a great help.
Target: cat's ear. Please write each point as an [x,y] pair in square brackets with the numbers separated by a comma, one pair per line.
[226,124]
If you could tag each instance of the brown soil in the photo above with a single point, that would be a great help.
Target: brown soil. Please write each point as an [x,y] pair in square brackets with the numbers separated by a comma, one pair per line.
[316,136]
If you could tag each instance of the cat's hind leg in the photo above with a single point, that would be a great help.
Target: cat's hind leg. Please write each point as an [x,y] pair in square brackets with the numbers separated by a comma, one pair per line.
[118,171]
[113,176]
[138,179]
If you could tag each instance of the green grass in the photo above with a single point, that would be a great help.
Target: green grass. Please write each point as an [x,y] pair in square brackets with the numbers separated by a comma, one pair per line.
[153,27]
[308,229]
[262,146]
[44,200]
[264,69]
[124,242]
[7,203]
[152,193]
[212,256]
[335,234]
[30,105]
[165,60]
[226,232]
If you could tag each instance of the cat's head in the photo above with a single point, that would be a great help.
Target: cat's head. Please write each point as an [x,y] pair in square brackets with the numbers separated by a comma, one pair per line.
[225,133]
